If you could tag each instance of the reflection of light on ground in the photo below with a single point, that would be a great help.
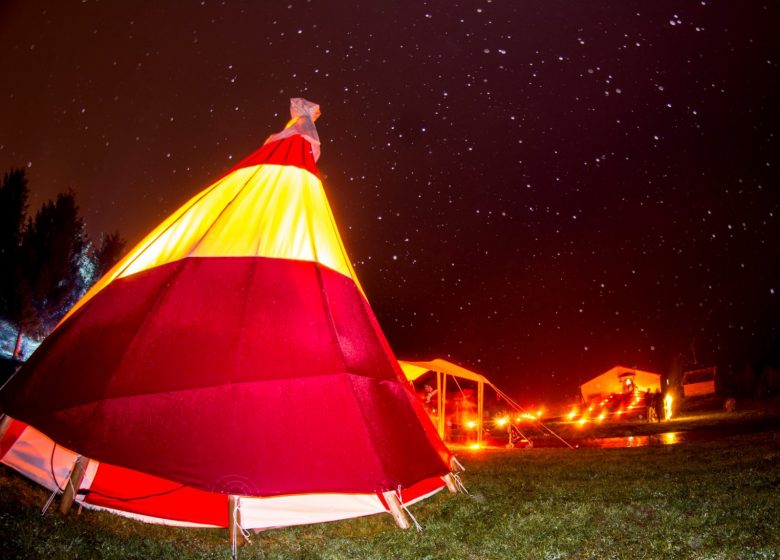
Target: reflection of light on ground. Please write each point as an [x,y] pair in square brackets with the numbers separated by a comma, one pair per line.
[667,438]
[670,438]
[628,441]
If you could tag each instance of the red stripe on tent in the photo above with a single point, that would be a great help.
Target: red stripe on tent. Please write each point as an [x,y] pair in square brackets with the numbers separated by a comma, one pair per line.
[271,371]
[135,492]
[11,435]
[294,150]
[421,489]
[415,491]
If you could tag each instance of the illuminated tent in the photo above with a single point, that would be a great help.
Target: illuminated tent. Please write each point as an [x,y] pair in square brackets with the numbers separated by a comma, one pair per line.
[228,367]
[613,381]
[444,370]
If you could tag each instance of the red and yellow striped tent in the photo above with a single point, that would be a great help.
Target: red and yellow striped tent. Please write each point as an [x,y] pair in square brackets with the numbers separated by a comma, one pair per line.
[231,353]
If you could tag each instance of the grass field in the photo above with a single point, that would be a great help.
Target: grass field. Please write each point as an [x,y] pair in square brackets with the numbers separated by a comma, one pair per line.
[713,499]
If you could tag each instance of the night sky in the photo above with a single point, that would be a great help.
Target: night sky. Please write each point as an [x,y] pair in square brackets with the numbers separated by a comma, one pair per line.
[538,190]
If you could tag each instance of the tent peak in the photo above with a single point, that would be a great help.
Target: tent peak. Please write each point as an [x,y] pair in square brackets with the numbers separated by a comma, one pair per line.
[300,107]
[303,113]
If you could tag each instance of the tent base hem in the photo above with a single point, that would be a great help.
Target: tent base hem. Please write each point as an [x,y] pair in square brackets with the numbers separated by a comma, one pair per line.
[38,458]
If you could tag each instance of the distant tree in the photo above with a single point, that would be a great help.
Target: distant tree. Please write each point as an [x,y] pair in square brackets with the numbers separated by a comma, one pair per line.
[111,249]
[13,211]
[52,251]
[47,262]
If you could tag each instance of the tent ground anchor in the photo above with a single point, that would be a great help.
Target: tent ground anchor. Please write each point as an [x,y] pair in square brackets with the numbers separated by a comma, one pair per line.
[455,465]
[5,423]
[73,484]
[395,510]
[234,523]
[450,482]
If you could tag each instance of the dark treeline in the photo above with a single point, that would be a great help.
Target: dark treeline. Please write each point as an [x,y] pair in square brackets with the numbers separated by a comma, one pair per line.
[47,261]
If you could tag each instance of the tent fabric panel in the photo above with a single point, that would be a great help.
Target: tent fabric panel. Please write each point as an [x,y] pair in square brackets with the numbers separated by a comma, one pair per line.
[416,492]
[121,491]
[363,358]
[274,211]
[412,372]
[295,151]
[89,349]
[609,382]
[362,344]
[211,321]
[38,458]
[602,385]
[147,518]
[295,221]
[178,238]
[287,511]
[250,370]
[136,492]
[265,439]
[152,499]
[12,433]
[419,368]
[302,509]
[143,256]
[647,381]
[421,490]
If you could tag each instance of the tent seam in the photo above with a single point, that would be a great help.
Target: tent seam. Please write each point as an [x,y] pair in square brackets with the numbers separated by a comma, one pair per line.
[224,209]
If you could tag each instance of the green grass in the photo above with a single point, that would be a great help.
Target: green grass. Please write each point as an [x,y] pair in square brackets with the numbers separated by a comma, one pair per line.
[715,500]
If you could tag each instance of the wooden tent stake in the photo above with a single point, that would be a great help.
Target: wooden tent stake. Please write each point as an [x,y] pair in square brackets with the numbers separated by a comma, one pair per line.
[233,520]
[449,480]
[234,523]
[73,484]
[5,423]
[395,510]
[455,465]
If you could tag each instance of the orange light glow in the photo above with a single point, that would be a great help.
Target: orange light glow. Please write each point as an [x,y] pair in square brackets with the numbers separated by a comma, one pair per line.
[600,417]
[474,446]
[670,438]
[501,421]
[471,424]
[573,413]
[668,401]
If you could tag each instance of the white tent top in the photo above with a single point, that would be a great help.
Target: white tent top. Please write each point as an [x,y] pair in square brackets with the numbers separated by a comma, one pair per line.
[610,382]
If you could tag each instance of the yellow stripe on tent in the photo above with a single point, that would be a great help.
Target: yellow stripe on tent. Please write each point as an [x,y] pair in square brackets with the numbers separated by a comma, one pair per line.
[274,211]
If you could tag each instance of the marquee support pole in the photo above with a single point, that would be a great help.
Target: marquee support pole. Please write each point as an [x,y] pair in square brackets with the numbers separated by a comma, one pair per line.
[480,410]
[443,408]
